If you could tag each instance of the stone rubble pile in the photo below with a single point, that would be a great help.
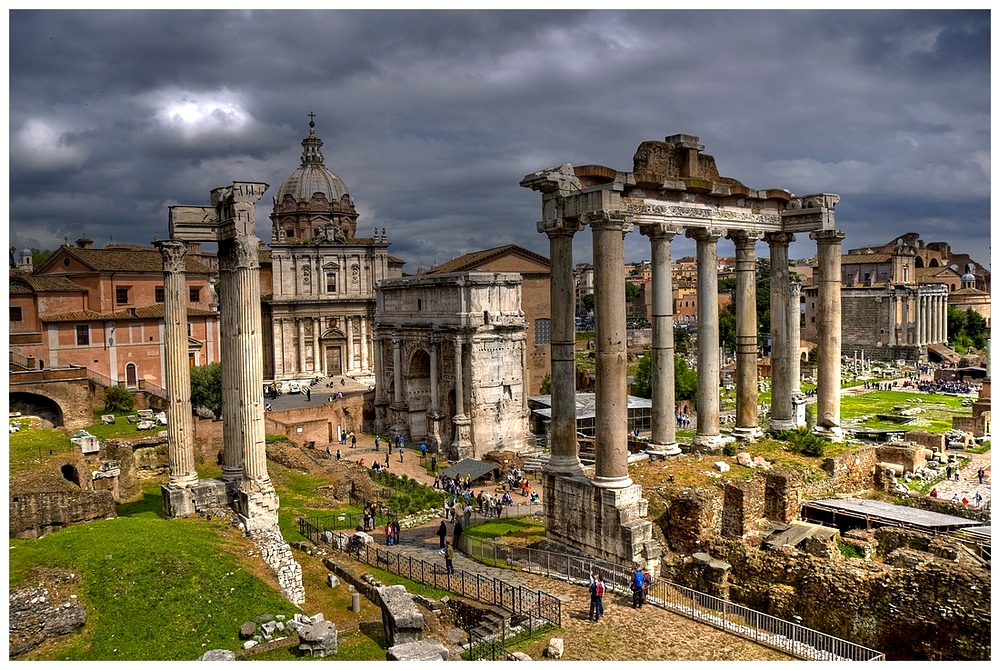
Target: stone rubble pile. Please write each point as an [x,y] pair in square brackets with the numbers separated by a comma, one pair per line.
[276,552]
[35,615]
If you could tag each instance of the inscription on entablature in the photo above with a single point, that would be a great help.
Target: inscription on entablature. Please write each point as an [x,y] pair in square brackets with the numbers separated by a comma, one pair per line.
[702,213]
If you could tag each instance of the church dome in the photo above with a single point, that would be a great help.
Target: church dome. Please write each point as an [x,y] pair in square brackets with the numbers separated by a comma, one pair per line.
[312,176]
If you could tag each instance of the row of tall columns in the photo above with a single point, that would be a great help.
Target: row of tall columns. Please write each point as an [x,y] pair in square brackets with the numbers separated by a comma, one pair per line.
[924,317]
[663,439]
[180,426]
[709,365]
[564,456]
[828,317]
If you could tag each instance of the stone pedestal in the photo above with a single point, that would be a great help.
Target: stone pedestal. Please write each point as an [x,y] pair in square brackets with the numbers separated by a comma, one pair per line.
[461,446]
[608,523]
[204,495]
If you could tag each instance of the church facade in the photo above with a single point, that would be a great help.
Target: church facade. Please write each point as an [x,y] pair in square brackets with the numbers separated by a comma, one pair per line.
[321,307]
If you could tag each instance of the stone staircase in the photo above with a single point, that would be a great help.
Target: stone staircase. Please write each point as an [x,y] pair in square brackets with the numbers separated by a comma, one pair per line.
[536,462]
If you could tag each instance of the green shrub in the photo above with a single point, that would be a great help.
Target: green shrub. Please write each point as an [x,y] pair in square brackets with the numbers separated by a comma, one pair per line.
[269,439]
[730,449]
[118,399]
[805,441]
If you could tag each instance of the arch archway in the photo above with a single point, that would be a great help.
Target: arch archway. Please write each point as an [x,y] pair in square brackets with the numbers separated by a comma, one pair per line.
[33,404]
[417,390]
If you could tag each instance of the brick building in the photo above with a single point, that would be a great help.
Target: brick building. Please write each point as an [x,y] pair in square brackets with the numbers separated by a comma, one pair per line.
[102,309]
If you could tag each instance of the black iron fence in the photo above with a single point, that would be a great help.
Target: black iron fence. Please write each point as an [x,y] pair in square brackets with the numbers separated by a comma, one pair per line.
[513,598]
[791,638]
[495,646]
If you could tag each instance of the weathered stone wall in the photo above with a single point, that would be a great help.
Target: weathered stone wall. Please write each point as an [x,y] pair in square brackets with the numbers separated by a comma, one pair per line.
[128,481]
[910,457]
[318,422]
[781,495]
[33,515]
[693,517]
[854,469]
[935,441]
[937,610]
[742,509]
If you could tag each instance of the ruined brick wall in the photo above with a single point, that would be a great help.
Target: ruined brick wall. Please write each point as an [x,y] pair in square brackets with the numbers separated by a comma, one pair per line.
[862,317]
[127,480]
[933,441]
[208,437]
[693,516]
[854,469]
[781,495]
[909,457]
[742,509]
[36,514]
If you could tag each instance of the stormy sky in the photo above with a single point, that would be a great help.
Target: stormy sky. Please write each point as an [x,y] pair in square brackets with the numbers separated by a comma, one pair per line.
[432,118]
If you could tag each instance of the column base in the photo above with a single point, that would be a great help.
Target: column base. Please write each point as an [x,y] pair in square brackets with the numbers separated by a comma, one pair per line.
[257,509]
[662,451]
[183,482]
[834,433]
[607,523]
[747,434]
[783,424]
[183,501]
[707,441]
[612,482]
[565,466]
[799,409]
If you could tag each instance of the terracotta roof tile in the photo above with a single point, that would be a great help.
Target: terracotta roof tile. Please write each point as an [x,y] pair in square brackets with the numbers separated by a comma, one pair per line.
[127,258]
[472,260]
[147,312]
[44,284]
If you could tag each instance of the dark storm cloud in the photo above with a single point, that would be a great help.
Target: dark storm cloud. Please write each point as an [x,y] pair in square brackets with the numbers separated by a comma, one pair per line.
[432,118]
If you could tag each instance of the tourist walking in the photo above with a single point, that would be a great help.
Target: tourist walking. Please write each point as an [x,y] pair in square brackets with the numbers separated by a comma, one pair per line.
[458,531]
[442,533]
[981,474]
[387,461]
[467,513]
[354,441]
[400,455]
[449,558]
[638,582]
[308,395]
[378,440]
[596,598]
[434,465]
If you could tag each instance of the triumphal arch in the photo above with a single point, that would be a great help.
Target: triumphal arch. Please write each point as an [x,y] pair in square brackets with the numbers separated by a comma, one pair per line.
[673,188]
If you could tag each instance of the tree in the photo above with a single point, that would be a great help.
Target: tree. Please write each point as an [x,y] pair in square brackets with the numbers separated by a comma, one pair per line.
[588,303]
[631,292]
[39,256]
[727,327]
[682,340]
[685,379]
[206,387]
[118,399]
[763,285]
[545,388]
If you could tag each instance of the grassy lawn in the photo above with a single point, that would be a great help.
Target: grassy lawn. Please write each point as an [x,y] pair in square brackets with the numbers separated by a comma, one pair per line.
[124,564]
[525,530]
[936,416]
[30,448]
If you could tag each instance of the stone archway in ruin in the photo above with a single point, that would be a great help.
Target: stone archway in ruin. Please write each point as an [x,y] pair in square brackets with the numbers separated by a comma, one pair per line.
[33,404]
[417,392]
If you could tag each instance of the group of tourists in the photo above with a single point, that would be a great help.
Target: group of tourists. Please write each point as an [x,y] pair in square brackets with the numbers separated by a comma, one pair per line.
[639,584]
[392,533]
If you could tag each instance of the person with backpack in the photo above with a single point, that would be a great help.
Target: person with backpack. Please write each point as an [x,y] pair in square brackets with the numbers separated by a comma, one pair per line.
[638,582]
[596,598]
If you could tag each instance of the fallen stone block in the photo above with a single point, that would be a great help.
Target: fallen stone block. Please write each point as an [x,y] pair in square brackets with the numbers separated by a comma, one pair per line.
[248,630]
[721,466]
[518,656]
[217,655]
[401,618]
[318,638]
[332,580]
[555,648]
[419,650]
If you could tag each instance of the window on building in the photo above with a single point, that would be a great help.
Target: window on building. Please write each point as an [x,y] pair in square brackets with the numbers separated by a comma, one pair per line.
[543,331]
[189,330]
[121,295]
[331,282]
[83,335]
[194,294]
[158,294]
[15,313]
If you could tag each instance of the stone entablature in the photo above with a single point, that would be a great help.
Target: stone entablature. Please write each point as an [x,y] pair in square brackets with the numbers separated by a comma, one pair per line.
[450,356]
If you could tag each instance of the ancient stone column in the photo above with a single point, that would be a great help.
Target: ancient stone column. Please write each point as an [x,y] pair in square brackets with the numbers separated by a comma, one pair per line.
[279,347]
[746,335]
[397,367]
[707,434]
[663,440]
[257,501]
[892,320]
[461,444]
[364,343]
[232,451]
[564,452]
[434,413]
[315,345]
[302,345]
[828,324]
[795,361]
[180,427]
[781,382]
[611,392]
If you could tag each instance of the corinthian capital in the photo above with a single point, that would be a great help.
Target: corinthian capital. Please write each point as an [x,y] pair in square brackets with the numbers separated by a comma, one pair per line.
[608,220]
[559,227]
[173,253]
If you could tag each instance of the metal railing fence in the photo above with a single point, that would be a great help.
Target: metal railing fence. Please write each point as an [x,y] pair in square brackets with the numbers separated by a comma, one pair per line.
[514,598]
[794,639]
